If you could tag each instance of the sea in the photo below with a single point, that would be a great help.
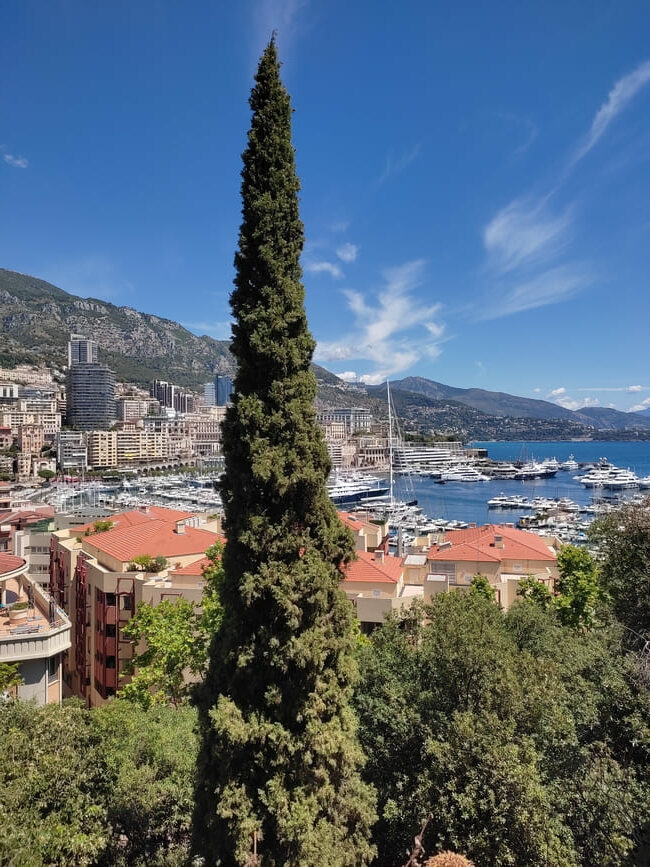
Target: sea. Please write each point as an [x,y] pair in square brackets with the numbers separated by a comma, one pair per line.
[467,501]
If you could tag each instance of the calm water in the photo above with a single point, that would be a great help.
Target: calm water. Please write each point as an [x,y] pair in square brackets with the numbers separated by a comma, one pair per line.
[468,501]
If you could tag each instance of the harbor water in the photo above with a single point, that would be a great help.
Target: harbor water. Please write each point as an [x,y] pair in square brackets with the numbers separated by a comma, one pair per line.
[467,501]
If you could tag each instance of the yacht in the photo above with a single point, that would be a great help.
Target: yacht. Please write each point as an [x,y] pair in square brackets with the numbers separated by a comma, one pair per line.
[463,474]
[609,477]
[355,487]
[571,465]
[534,470]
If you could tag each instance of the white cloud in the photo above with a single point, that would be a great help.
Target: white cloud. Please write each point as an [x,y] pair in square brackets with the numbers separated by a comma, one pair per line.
[347,252]
[348,376]
[16,162]
[395,166]
[564,400]
[617,100]
[481,368]
[537,390]
[550,287]
[635,388]
[639,406]
[524,232]
[385,330]
[556,392]
[324,268]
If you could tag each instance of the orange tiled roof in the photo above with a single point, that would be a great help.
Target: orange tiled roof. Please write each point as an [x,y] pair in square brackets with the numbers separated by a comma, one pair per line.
[367,569]
[477,544]
[197,567]
[9,563]
[153,537]
[139,516]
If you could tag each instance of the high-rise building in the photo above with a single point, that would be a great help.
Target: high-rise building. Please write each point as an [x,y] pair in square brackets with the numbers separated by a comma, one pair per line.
[91,397]
[222,389]
[209,394]
[81,350]
[163,392]
[71,451]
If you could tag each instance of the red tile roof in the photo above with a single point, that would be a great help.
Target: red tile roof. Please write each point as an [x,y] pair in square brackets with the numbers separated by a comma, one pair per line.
[9,563]
[139,516]
[197,567]
[478,544]
[153,537]
[367,569]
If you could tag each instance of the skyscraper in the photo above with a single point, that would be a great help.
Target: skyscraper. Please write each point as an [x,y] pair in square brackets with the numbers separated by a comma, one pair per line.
[91,397]
[222,389]
[81,350]
[90,387]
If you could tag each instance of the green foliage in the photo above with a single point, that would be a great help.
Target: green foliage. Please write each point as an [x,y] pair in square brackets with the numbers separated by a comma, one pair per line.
[580,593]
[624,542]
[150,760]
[9,677]
[112,786]
[102,526]
[278,754]
[172,650]
[480,586]
[535,591]
[175,637]
[527,741]
[46,474]
[52,774]
[147,563]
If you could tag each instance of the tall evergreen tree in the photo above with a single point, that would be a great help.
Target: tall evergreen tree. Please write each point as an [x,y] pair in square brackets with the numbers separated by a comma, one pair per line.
[279,763]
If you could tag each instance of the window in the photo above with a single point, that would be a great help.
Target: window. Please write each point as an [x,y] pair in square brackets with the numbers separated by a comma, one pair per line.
[110,630]
[53,668]
[126,603]
[110,662]
[110,599]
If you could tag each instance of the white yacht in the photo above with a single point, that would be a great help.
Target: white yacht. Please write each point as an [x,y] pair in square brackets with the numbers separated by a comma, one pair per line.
[463,474]
[571,465]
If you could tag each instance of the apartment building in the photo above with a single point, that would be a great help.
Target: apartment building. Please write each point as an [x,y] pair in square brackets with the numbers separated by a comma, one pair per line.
[31,439]
[34,633]
[93,577]
[71,452]
[90,392]
[102,448]
[501,553]
[14,419]
[353,418]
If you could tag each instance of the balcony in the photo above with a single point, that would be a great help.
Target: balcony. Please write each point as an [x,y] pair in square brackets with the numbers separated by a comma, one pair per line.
[38,630]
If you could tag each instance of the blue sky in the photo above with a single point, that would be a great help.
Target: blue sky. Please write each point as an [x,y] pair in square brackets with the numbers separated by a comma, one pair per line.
[476,176]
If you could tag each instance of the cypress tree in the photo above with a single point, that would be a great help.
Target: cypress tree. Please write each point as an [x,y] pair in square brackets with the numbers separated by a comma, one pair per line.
[279,763]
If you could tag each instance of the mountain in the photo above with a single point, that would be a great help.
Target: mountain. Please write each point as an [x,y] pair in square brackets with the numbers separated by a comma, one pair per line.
[37,318]
[613,419]
[498,403]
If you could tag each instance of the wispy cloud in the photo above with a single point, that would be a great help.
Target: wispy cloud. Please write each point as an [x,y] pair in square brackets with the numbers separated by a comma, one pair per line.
[218,330]
[525,232]
[528,240]
[16,162]
[347,252]
[548,287]
[523,125]
[388,331]
[324,268]
[556,392]
[617,100]
[281,15]
[395,165]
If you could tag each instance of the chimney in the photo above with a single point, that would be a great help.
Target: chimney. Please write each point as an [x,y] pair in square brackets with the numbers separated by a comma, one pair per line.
[179,528]
[379,555]
[498,541]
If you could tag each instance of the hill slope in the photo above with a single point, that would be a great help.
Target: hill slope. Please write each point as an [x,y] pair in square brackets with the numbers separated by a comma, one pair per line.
[36,319]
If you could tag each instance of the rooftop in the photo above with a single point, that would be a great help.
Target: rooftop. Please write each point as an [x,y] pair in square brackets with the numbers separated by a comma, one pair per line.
[153,537]
[367,568]
[481,544]
[140,516]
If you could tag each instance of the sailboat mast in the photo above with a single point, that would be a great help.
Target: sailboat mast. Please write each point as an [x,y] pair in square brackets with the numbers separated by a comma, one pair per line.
[390,441]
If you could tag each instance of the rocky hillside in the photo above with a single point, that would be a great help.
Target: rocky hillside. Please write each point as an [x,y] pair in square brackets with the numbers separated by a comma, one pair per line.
[36,319]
